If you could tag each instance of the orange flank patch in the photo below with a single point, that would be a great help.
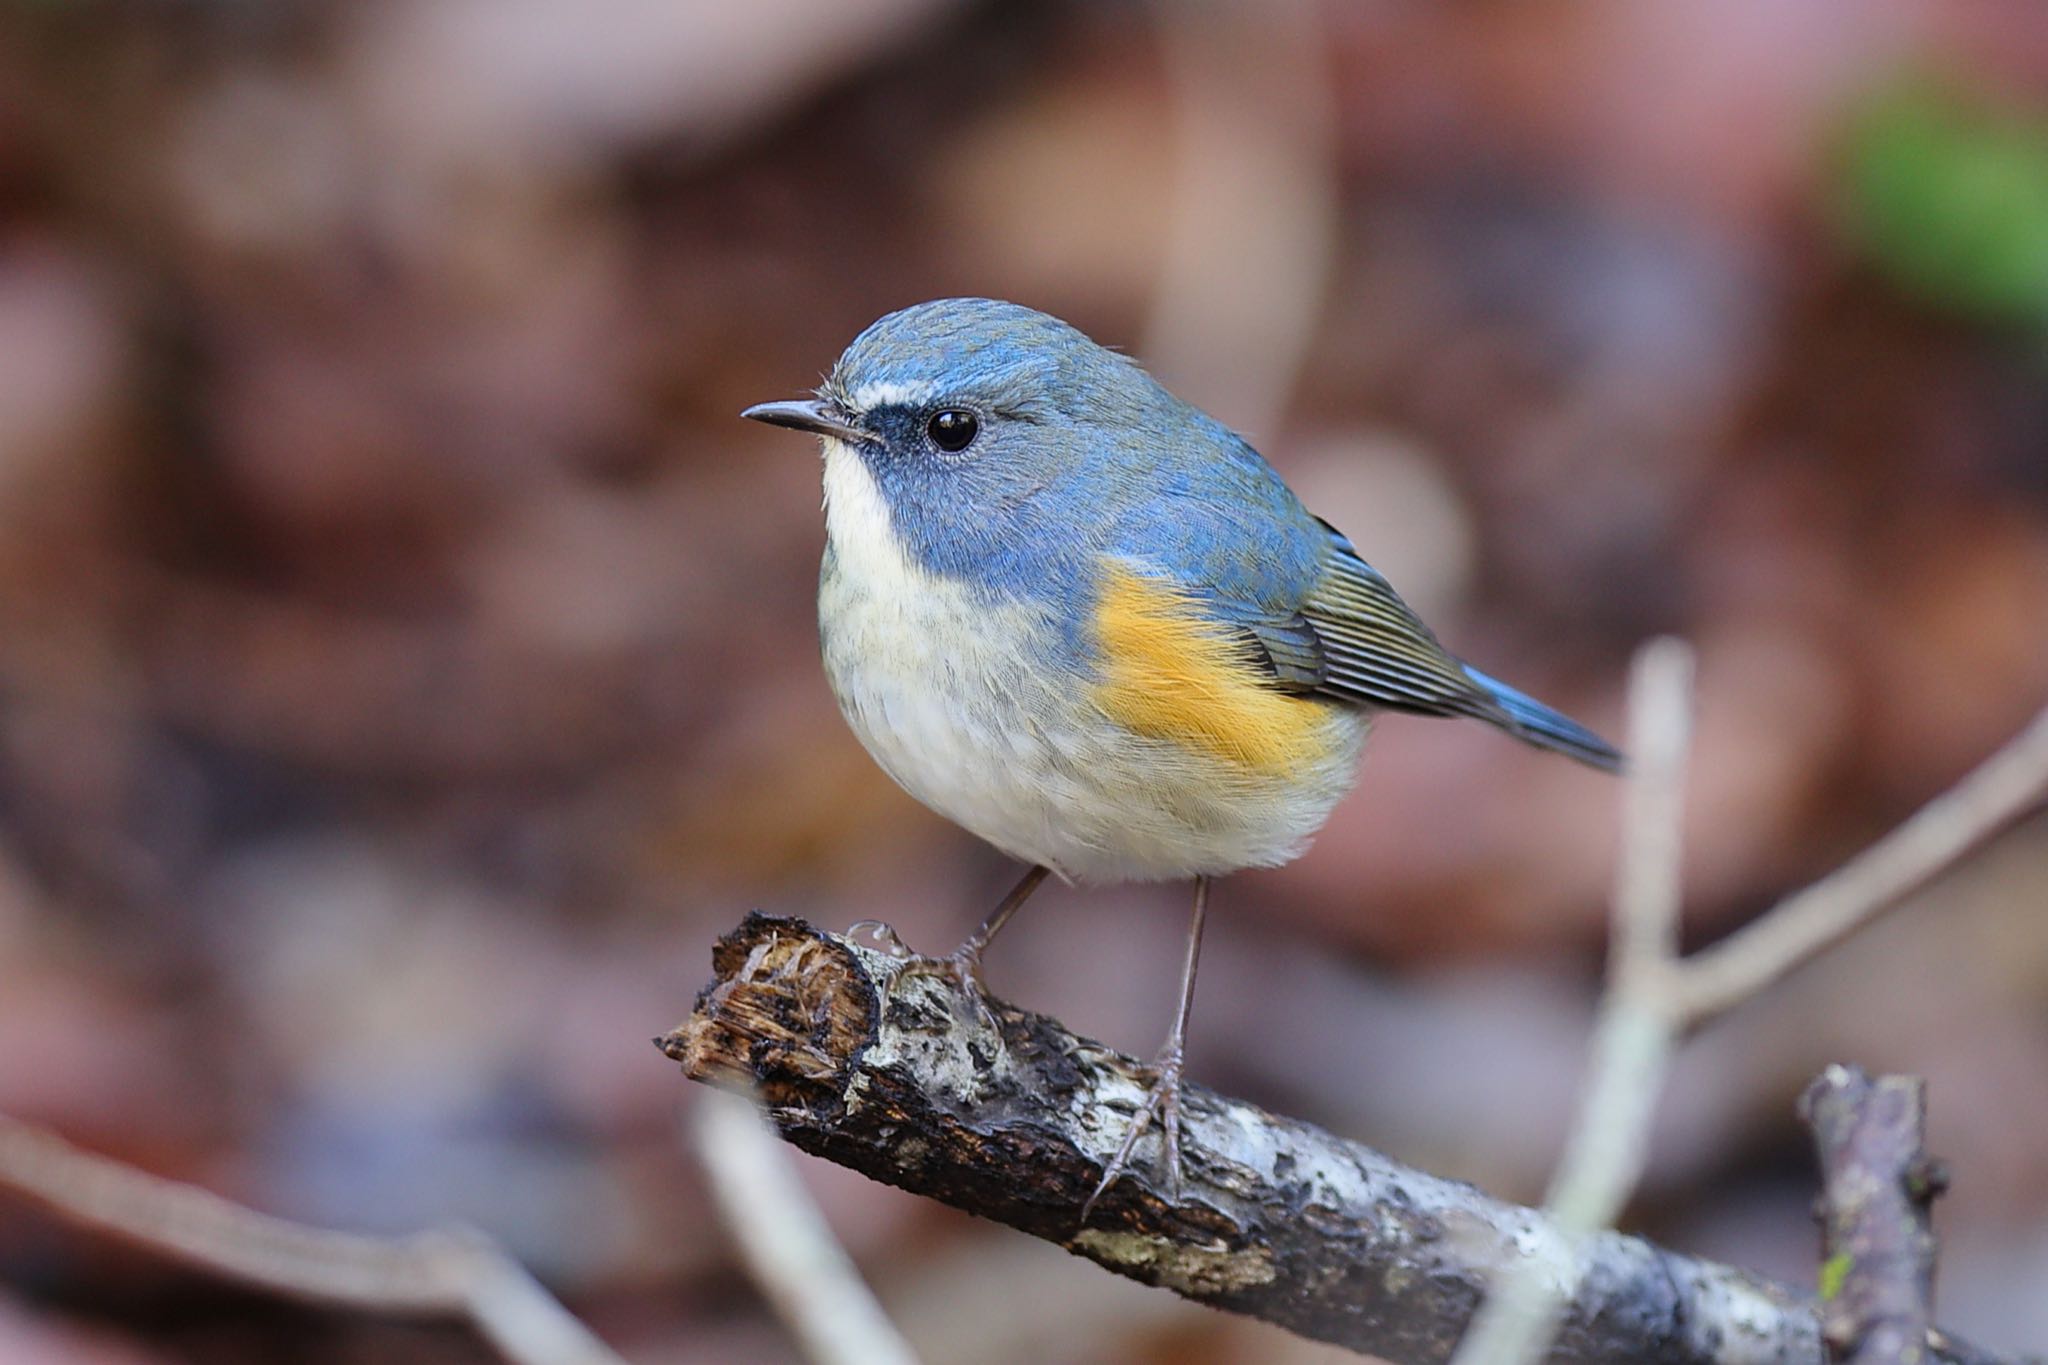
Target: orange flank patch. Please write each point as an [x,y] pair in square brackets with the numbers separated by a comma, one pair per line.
[1170,673]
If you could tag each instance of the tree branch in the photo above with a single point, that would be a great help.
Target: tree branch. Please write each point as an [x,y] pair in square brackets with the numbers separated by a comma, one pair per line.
[785,1244]
[884,1065]
[1999,791]
[1635,1032]
[1653,994]
[1877,1185]
[451,1273]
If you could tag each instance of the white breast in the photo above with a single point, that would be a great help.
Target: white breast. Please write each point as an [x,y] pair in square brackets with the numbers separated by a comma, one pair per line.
[952,696]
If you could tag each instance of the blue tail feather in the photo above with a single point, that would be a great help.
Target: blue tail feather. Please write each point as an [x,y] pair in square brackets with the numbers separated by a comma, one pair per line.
[1534,723]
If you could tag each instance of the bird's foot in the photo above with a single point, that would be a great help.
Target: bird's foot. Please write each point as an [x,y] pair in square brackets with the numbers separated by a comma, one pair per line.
[1163,1103]
[961,968]
[962,965]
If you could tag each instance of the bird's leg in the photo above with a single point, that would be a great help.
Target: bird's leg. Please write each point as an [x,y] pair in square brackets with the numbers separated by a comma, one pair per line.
[966,959]
[963,965]
[964,962]
[1164,1099]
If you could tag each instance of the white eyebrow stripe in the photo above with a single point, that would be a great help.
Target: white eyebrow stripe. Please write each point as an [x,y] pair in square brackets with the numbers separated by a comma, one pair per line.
[889,394]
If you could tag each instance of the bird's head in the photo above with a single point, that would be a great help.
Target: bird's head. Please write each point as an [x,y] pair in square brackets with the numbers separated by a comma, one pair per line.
[986,429]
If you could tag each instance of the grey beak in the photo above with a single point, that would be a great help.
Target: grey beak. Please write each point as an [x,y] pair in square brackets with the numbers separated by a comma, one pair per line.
[808,414]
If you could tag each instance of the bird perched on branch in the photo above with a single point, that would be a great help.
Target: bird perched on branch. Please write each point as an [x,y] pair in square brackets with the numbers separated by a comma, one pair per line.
[1088,623]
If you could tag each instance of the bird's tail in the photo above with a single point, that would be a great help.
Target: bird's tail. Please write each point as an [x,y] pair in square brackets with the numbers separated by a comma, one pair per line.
[1534,723]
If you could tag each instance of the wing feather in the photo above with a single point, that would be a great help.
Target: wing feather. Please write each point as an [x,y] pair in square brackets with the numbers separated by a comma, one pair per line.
[1373,650]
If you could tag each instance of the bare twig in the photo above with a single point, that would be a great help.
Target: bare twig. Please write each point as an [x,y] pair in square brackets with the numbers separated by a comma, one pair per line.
[1877,1183]
[794,1258]
[2005,787]
[890,1067]
[453,1272]
[1653,995]
[1633,1039]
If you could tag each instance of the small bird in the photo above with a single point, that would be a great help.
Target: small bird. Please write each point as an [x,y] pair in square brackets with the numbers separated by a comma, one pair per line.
[1088,623]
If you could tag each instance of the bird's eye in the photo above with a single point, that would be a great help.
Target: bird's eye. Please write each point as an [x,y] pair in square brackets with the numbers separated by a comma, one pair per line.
[953,429]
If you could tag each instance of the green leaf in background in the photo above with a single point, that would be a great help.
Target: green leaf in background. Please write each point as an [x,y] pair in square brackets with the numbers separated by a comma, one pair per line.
[1949,197]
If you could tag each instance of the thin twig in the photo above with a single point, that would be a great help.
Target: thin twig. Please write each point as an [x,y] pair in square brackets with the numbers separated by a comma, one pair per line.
[1877,1184]
[452,1272]
[1633,1038]
[1653,995]
[2005,787]
[788,1249]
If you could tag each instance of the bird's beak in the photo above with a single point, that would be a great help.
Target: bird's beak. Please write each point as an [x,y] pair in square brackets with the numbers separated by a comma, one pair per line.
[809,414]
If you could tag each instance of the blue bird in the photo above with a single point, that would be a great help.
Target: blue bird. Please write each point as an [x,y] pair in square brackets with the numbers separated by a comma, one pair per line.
[1088,623]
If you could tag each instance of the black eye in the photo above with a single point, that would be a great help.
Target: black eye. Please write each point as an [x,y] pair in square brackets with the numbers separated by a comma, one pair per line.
[953,429]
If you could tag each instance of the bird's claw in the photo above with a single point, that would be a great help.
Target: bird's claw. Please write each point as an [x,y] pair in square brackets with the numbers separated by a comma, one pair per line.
[1161,1102]
[883,933]
[962,966]
[962,970]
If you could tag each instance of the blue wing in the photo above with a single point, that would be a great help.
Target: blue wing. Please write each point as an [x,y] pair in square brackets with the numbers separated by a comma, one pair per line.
[1311,611]
[1379,652]
[1315,614]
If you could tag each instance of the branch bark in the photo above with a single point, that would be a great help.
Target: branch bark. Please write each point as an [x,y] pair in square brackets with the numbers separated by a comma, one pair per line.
[1877,1186]
[885,1066]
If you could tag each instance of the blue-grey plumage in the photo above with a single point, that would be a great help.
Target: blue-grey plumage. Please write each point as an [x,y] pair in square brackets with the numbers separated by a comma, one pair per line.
[1088,623]
[963,598]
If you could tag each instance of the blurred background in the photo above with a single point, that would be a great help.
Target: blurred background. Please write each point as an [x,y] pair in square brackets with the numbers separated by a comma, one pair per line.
[408,663]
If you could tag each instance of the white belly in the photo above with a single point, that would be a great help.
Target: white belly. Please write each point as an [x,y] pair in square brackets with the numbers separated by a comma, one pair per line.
[953,699]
